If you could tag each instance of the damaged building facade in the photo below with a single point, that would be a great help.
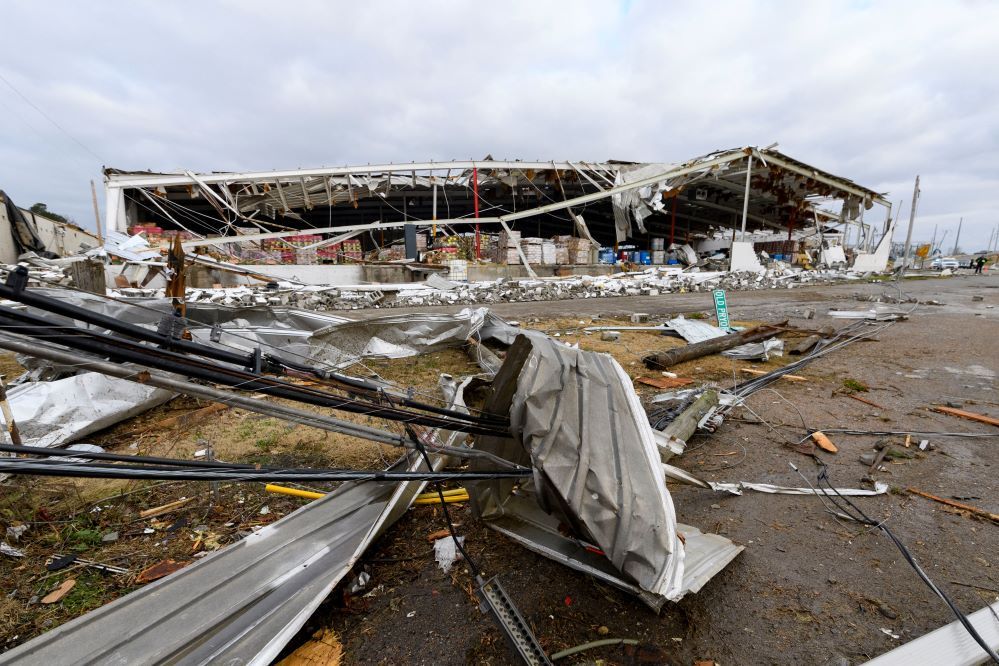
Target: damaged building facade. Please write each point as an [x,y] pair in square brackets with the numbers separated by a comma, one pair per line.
[489,219]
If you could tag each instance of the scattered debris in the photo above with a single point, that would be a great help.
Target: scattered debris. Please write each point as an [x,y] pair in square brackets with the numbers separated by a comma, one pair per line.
[994,517]
[866,401]
[159,570]
[665,382]
[971,416]
[446,551]
[666,359]
[57,594]
[824,442]
[760,373]
[166,508]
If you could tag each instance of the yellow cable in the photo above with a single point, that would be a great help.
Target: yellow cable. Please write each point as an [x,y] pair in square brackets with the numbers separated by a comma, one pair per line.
[447,493]
[295,492]
[437,500]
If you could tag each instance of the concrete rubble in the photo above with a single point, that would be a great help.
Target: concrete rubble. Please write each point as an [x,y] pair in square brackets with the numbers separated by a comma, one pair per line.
[651,282]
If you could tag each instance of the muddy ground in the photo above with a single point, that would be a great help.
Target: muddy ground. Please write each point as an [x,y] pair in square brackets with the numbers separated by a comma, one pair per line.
[807,589]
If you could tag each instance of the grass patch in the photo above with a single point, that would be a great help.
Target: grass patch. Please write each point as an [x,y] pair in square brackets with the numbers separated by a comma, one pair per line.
[855,386]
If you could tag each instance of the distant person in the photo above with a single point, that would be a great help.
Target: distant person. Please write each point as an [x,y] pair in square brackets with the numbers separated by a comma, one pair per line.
[979,264]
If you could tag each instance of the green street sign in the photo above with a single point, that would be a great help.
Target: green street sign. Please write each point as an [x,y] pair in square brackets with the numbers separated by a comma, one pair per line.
[721,308]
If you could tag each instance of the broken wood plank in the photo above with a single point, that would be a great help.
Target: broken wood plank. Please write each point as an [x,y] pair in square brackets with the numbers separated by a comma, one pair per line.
[671,357]
[865,401]
[159,570]
[166,508]
[793,378]
[957,505]
[60,592]
[323,649]
[665,382]
[972,416]
[824,442]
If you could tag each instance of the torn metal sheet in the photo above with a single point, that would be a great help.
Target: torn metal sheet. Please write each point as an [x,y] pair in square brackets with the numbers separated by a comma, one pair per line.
[525,523]
[240,604]
[576,418]
[62,411]
[394,336]
[878,313]
[293,333]
[756,351]
[243,603]
[736,487]
[610,487]
[950,644]
[693,330]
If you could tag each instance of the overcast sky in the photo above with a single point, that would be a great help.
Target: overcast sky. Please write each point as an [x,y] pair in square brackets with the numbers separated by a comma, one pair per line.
[874,91]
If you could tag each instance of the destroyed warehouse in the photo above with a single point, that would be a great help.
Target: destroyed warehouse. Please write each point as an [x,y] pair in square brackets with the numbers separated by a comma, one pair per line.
[202,448]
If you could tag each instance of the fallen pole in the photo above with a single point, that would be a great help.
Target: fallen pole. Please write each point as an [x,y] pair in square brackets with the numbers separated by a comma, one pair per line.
[690,352]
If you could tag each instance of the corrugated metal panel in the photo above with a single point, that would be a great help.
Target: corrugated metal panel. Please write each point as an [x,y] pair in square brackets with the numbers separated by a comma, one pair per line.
[951,644]
[693,330]
[239,605]
[576,418]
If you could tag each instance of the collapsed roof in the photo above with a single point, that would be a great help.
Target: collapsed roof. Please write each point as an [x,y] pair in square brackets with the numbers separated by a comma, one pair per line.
[607,201]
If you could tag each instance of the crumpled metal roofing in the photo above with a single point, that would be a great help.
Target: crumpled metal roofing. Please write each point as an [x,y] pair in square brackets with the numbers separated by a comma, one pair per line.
[576,418]
[239,605]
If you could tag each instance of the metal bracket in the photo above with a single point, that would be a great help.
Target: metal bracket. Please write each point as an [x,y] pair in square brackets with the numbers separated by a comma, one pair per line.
[258,361]
[17,279]
[522,639]
[171,326]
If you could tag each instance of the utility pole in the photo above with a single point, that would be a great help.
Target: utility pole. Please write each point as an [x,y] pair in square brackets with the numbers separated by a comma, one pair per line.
[97,213]
[912,220]
[958,239]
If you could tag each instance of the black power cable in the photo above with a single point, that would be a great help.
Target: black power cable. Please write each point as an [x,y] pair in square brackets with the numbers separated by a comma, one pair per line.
[126,351]
[35,467]
[415,436]
[855,513]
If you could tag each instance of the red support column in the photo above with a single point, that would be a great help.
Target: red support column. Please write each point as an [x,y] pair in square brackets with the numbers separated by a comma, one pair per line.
[475,195]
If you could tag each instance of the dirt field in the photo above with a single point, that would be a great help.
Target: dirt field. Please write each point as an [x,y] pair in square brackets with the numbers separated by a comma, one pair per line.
[808,588]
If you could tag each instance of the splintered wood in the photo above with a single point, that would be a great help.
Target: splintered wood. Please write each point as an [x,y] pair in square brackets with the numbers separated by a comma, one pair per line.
[971,416]
[323,649]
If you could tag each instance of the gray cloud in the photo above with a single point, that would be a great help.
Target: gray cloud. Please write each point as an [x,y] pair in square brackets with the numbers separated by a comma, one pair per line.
[874,91]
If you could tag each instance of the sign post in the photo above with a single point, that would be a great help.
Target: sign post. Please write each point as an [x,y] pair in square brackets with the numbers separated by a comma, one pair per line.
[721,308]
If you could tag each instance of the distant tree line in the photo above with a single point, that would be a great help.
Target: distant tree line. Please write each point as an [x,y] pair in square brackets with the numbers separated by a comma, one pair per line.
[43,209]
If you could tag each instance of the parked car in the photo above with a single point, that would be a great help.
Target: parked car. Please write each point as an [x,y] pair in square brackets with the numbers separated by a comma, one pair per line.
[941,263]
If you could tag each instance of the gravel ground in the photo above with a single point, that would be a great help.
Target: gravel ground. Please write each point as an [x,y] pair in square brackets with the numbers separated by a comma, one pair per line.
[808,588]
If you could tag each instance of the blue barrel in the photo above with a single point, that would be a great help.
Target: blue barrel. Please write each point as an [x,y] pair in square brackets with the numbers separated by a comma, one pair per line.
[671,262]
[645,258]
[606,255]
